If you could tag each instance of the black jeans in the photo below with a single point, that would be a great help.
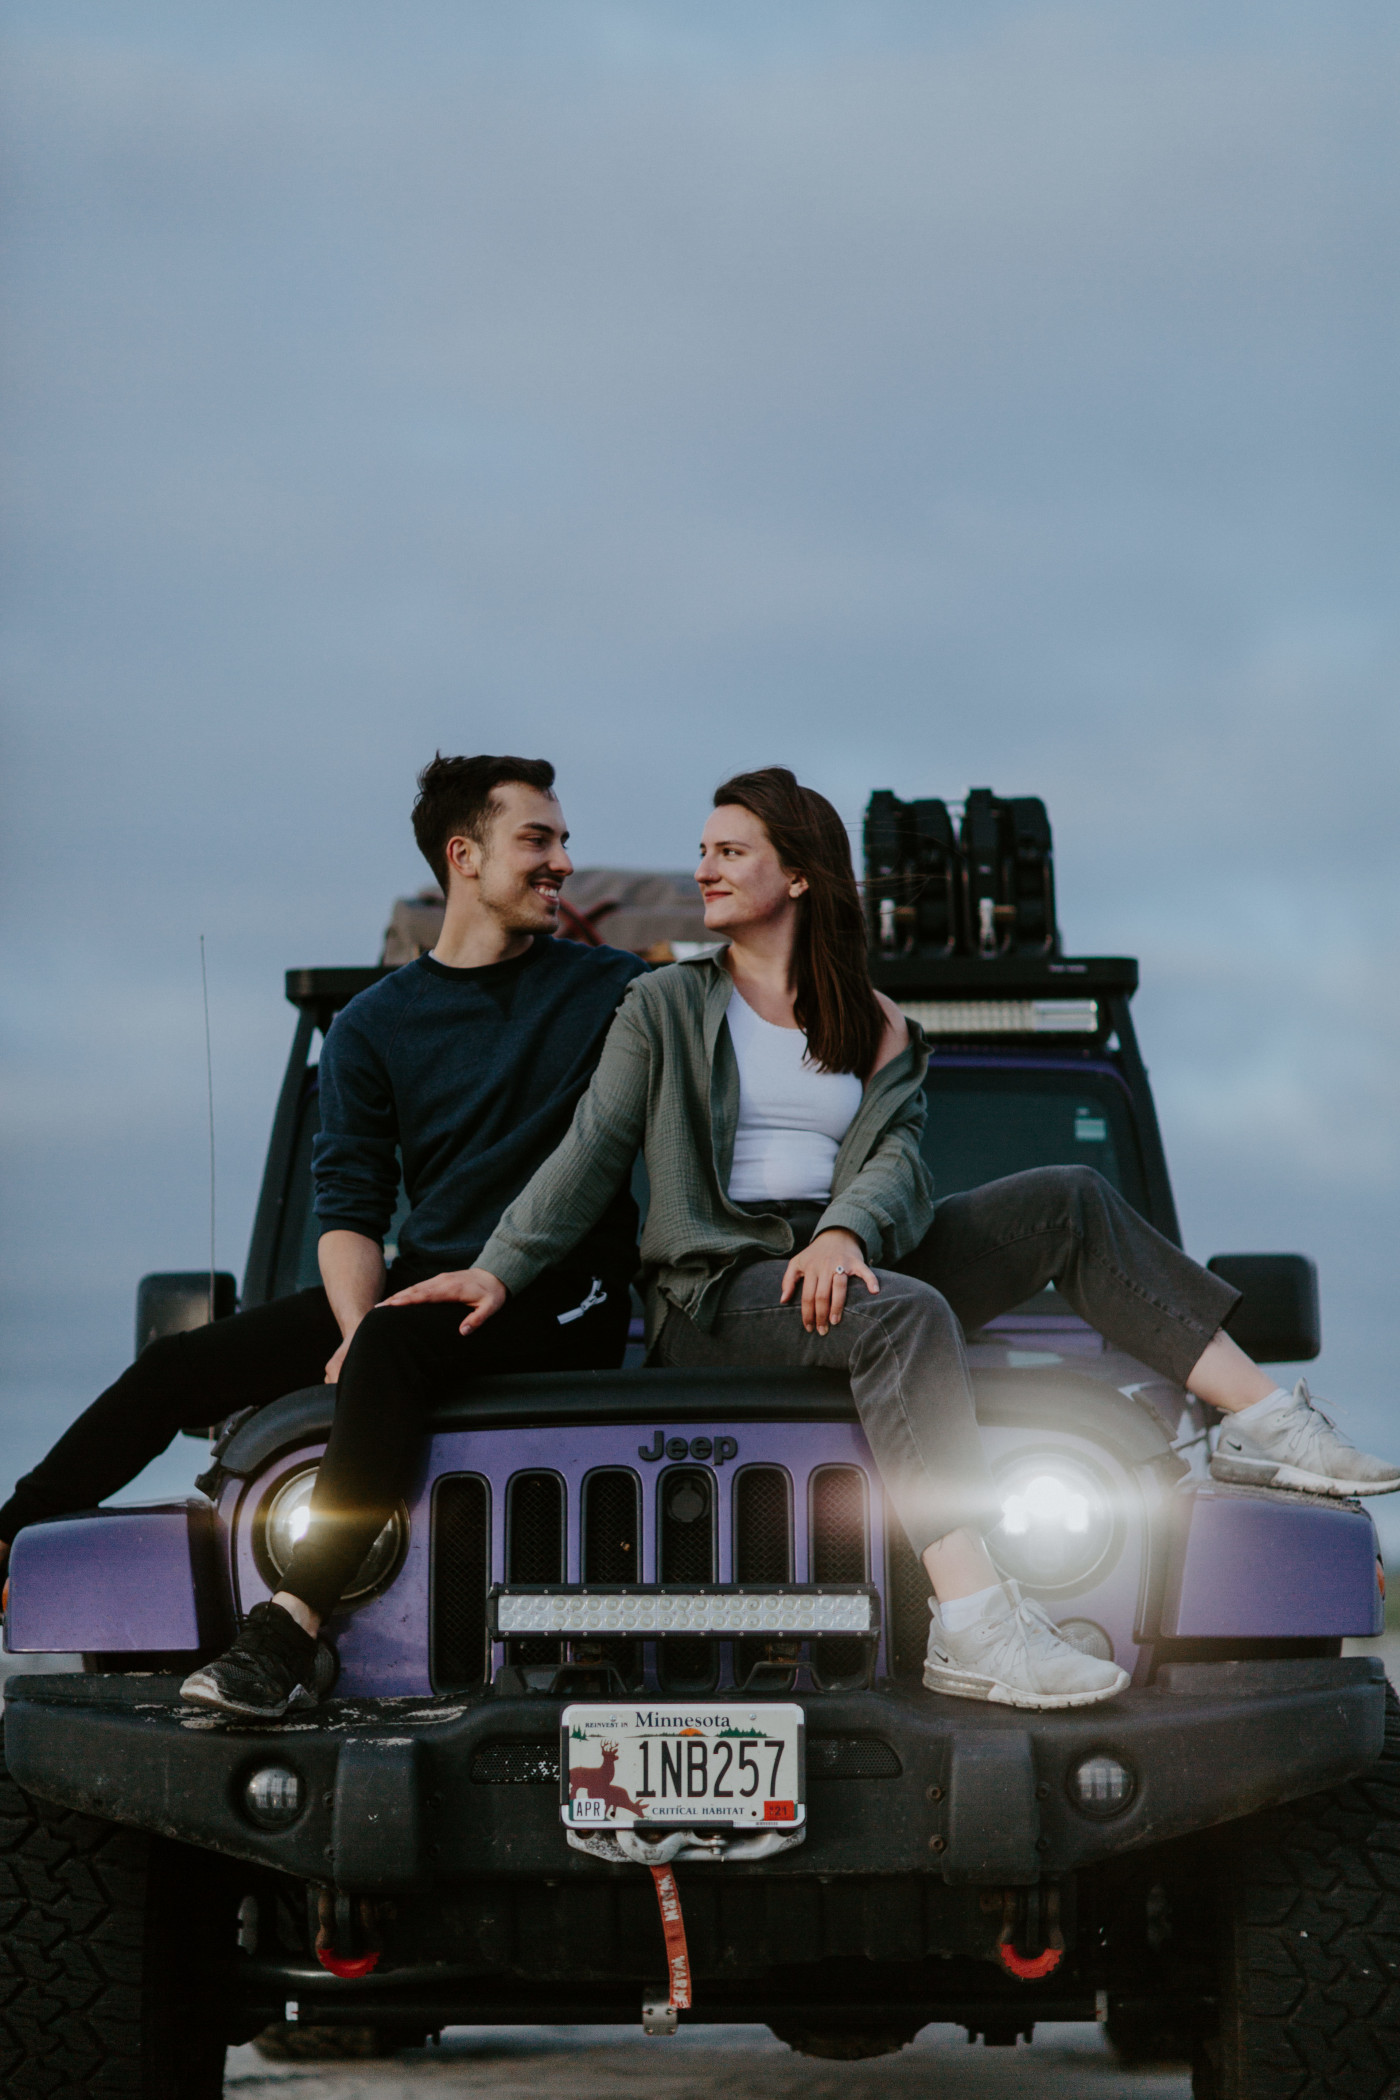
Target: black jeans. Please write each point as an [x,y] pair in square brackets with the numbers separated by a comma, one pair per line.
[398,1363]
[986,1251]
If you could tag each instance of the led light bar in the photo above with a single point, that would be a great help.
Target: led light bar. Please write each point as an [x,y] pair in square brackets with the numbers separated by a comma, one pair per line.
[649,1613]
[1004,1016]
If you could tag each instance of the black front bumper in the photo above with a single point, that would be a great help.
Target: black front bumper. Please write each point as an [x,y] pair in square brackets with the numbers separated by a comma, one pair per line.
[409,1795]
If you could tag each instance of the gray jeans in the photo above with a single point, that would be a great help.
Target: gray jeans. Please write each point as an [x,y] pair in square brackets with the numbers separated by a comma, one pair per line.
[986,1251]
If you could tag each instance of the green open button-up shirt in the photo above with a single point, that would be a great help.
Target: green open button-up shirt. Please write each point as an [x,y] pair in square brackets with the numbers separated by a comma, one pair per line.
[667,1083]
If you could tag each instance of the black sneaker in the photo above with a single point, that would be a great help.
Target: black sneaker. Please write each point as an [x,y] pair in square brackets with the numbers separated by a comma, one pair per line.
[272,1668]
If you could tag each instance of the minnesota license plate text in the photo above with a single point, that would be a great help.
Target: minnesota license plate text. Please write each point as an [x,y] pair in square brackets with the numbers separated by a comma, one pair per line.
[730,1764]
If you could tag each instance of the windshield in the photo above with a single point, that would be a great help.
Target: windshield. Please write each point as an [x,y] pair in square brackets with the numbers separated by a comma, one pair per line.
[984,1122]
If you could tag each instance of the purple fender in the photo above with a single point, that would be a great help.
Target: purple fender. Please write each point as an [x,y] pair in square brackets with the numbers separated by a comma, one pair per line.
[151,1579]
[1248,1565]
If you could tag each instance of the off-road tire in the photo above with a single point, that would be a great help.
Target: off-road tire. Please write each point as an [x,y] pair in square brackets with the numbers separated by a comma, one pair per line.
[101,1932]
[1308,1909]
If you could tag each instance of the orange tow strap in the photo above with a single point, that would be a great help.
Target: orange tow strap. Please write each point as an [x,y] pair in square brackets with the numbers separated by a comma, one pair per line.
[668,1898]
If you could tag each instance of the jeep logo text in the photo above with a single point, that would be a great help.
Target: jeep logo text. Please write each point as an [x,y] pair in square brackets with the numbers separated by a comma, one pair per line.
[718,1448]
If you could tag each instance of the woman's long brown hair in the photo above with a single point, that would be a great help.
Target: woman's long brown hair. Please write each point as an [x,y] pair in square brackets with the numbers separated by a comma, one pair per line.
[835,1004]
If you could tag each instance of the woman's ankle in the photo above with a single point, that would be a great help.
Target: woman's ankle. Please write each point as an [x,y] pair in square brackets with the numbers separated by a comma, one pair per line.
[1224,1377]
[959,1565]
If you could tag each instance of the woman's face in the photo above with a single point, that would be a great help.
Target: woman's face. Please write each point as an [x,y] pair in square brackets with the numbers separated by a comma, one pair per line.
[741,878]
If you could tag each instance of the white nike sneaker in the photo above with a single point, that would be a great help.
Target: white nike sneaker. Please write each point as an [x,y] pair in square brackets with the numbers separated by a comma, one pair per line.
[1014,1655]
[1299,1447]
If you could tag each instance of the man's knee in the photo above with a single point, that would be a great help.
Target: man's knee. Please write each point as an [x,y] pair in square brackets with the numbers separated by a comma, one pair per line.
[392,1332]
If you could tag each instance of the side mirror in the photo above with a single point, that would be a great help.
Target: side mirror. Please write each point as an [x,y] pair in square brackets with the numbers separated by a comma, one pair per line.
[1278,1320]
[178,1300]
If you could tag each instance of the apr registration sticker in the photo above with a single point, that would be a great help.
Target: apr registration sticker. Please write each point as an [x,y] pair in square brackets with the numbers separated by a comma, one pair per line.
[683,1762]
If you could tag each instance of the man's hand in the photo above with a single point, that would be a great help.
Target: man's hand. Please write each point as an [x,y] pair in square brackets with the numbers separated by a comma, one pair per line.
[825,1269]
[478,1288]
[337,1362]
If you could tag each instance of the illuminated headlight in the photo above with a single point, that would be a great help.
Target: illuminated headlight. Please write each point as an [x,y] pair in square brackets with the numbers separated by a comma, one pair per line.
[1102,1785]
[1057,1522]
[272,1796]
[285,1525]
[645,1614]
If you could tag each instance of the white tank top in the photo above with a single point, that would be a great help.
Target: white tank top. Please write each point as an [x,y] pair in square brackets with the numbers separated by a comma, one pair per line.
[792,1117]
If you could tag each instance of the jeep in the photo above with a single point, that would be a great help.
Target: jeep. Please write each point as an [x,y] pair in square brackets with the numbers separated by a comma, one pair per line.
[629,1722]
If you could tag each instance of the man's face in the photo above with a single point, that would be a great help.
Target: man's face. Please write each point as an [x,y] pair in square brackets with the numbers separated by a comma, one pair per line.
[522,864]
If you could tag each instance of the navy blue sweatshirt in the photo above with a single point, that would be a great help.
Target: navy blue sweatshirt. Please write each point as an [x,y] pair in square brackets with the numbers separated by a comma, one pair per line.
[472,1078]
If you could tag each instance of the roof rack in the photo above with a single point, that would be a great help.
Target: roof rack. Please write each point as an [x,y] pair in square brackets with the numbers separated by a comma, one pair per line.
[1006,977]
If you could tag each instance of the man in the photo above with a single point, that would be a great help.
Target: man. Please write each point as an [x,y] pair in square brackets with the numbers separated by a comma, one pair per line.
[466,1066]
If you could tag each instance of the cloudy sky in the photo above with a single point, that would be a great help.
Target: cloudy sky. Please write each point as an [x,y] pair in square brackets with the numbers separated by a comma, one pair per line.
[918,394]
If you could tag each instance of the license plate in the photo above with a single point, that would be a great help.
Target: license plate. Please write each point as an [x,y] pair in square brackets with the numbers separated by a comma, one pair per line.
[682,1761]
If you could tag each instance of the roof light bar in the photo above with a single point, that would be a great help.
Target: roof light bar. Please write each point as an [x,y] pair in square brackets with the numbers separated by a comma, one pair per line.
[651,1612]
[1004,1016]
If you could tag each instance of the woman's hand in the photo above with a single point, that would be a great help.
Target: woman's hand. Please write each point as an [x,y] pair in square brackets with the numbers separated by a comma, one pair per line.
[478,1288]
[825,1269]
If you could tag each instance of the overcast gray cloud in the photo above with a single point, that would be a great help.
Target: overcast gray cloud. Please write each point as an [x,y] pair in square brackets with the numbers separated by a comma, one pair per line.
[917,394]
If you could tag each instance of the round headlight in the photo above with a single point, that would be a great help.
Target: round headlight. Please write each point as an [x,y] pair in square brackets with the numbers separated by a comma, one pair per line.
[1057,1520]
[285,1524]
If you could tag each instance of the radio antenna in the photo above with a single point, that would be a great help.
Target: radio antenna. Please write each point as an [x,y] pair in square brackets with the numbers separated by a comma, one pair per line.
[209,1081]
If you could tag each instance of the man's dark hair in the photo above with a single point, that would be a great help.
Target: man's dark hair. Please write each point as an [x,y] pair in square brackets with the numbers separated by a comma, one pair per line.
[454,798]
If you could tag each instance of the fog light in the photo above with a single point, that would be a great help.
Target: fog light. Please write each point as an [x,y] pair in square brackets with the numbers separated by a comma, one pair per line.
[272,1796]
[1102,1785]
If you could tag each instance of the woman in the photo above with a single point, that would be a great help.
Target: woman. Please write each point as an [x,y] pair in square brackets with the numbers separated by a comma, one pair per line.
[778,1100]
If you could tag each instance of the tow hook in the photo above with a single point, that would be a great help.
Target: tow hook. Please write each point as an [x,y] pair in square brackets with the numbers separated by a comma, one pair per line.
[347,1942]
[1030,1943]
